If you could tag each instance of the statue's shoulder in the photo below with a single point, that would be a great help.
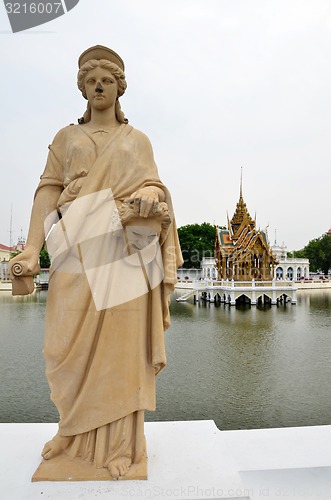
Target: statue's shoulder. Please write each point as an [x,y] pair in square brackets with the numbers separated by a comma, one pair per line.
[64,134]
[138,136]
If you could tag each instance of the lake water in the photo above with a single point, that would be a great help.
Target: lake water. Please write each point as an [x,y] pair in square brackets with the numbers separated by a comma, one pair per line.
[242,367]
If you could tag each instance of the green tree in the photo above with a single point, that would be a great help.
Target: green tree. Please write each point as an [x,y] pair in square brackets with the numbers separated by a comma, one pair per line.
[44,259]
[318,251]
[196,241]
[299,254]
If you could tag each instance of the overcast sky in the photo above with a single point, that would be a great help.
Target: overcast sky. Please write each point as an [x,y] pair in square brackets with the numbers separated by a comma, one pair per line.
[215,84]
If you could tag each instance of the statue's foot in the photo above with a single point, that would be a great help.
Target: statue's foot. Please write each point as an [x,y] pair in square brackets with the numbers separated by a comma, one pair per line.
[55,446]
[119,467]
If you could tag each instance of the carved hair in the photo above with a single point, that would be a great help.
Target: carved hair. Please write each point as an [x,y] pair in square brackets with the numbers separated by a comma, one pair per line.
[121,86]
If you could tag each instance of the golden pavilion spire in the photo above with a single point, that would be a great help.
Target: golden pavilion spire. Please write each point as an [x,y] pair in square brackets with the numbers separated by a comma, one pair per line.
[241,214]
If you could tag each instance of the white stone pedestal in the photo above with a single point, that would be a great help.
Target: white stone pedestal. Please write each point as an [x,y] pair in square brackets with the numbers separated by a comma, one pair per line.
[186,461]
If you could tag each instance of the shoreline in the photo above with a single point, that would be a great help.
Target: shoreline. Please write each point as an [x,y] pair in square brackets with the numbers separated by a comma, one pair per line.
[306,285]
[188,285]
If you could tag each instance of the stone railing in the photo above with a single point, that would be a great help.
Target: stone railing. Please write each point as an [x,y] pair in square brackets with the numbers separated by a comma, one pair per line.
[201,284]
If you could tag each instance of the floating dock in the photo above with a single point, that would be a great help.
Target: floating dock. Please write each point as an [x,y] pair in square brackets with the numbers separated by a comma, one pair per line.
[230,291]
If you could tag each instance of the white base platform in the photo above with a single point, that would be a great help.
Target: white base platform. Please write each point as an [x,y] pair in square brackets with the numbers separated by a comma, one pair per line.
[186,460]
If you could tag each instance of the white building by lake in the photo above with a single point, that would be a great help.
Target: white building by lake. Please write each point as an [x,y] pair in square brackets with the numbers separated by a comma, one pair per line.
[288,267]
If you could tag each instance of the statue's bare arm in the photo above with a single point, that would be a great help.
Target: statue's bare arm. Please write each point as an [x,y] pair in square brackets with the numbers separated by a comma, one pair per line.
[44,204]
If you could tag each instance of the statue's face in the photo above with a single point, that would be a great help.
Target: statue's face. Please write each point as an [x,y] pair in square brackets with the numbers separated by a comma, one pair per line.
[139,237]
[101,88]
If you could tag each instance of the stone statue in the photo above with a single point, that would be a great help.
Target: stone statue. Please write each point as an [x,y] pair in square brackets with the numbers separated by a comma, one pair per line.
[112,237]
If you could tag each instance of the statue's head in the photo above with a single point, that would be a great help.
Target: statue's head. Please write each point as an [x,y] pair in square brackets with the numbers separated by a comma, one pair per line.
[100,56]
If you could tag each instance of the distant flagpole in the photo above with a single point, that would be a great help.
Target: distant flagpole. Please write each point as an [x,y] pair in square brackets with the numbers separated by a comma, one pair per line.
[11,227]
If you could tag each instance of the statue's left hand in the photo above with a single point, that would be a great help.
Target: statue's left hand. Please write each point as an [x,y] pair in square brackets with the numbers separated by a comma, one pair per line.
[147,199]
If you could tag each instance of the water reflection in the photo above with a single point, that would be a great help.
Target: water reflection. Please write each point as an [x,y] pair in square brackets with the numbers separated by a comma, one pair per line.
[245,367]
[251,367]
[24,393]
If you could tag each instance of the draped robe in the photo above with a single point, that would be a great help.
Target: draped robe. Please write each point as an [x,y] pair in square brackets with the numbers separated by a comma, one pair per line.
[101,362]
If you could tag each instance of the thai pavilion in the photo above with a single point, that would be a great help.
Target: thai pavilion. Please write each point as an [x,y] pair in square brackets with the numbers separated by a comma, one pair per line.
[242,251]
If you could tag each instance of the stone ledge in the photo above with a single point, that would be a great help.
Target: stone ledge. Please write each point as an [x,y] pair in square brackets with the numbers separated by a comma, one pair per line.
[186,461]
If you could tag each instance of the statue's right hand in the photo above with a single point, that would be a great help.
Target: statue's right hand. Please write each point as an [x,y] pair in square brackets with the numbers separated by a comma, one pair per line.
[24,264]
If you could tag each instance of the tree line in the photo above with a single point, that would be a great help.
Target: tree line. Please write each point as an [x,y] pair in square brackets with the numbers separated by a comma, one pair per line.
[318,251]
[198,241]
